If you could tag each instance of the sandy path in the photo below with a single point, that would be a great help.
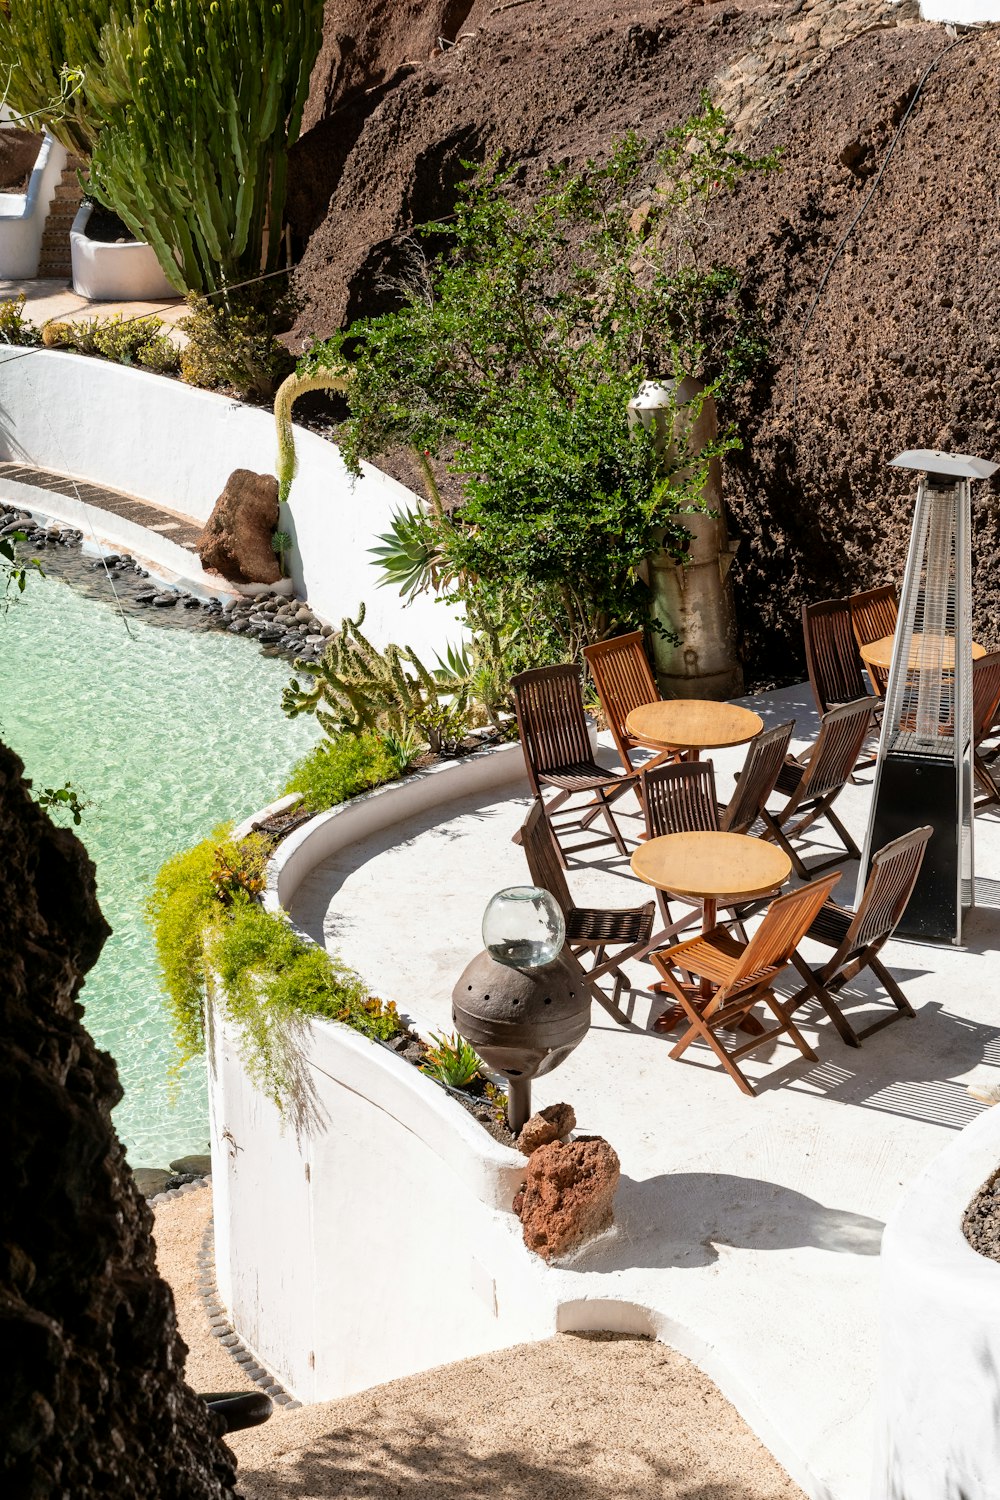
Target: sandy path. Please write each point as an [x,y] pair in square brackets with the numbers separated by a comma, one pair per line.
[574,1418]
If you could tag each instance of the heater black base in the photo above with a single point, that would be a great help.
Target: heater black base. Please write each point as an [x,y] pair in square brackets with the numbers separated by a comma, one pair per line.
[915,790]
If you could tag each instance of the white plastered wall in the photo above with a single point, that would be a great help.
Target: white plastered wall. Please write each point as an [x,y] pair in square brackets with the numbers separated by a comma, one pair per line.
[163,441]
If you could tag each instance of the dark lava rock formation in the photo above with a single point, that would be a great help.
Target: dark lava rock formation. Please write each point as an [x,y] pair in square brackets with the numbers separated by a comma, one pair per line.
[93,1400]
[901,348]
[236,540]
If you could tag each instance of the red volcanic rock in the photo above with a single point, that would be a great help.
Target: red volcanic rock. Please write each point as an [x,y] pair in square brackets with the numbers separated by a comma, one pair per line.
[549,1124]
[236,541]
[568,1195]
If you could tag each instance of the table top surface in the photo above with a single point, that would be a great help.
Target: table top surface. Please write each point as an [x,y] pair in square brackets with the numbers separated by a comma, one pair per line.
[692,724]
[710,866]
[879,653]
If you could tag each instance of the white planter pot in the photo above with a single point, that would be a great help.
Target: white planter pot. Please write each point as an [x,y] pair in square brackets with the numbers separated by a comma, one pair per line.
[127,272]
[23,215]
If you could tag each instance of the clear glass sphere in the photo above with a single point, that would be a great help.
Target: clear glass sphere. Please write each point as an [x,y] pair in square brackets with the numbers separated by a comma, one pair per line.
[523,926]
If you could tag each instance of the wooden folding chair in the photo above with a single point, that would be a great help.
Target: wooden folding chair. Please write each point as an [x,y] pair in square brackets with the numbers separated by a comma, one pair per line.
[873,616]
[678,798]
[624,680]
[814,783]
[588,930]
[557,753]
[738,976]
[833,660]
[756,781]
[985,702]
[857,937]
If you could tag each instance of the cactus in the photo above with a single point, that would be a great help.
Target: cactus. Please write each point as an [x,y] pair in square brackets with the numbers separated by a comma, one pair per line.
[355,687]
[57,334]
[50,52]
[199,104]
[288,392]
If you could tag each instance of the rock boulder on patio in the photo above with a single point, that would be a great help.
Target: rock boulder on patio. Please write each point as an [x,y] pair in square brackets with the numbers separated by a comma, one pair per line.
[568,1195]
[548,1125]
[236,541]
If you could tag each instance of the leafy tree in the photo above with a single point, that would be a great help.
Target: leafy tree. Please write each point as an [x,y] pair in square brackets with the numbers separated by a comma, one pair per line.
[522,335]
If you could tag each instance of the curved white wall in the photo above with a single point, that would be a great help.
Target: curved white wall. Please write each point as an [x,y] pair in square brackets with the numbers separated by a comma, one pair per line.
[964,12]
[174,445]
[128,272]
[940,1381]
[23,215]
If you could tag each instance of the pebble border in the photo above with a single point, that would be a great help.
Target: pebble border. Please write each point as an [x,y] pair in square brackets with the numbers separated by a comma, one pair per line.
[219,1325]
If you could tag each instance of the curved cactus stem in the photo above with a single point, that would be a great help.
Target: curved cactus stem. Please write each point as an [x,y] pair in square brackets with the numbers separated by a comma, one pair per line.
[288,393]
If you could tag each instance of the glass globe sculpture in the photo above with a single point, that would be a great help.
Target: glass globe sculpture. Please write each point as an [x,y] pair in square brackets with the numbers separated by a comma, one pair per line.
[524,927]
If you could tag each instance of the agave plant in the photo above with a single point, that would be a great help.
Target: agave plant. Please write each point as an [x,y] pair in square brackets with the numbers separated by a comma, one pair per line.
[411,555]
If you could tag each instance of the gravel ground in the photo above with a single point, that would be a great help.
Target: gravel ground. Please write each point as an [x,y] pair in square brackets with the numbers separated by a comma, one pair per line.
[573,1418]
[982,1219]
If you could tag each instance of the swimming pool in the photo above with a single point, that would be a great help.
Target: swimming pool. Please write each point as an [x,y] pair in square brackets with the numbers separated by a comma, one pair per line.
[167,732]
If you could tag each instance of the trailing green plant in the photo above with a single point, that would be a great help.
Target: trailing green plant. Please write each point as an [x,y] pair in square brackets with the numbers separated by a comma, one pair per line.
[451,1060]
[356,687]
[240,868]
[15,328]
[14,572]
[524,331]
[181,908]
[291,388]
[337,769]
[232,347]
[272,980]
[63,798]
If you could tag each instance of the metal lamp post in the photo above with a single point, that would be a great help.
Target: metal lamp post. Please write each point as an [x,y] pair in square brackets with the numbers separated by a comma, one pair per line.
[923,772]
[523,1002]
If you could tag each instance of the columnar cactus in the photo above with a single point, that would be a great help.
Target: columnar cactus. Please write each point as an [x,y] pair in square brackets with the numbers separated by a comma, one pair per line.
[49,52]
[199,103]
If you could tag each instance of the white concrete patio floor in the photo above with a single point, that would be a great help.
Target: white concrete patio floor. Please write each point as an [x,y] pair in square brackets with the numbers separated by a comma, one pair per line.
[753,1222]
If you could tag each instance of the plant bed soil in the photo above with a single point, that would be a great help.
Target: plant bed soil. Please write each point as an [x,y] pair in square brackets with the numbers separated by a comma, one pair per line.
[981,1224]
[412,1049]
[106,228]
[18,153]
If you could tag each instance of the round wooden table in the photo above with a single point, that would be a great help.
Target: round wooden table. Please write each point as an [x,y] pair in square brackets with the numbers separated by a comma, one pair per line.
[692,725]
[717,869]
[879,653]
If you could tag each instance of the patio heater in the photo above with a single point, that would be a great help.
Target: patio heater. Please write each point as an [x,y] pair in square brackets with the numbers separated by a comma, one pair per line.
[523,1003]
[923,772]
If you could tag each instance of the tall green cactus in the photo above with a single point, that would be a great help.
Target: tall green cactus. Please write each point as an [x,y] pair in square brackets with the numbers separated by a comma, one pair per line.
[199,103]
[50,54]
[356,687]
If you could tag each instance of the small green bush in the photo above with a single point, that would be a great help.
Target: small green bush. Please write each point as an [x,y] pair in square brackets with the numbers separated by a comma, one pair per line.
[452,1061]
[272,978]
[234,349]
[123,339]
[15,328]
[335,770]
[160,356]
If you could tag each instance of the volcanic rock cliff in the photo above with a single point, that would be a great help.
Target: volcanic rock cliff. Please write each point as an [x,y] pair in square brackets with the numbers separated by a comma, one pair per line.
[873,255]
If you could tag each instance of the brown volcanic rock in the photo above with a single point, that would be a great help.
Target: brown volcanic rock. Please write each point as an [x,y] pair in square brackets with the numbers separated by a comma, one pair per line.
[549,1124]
[900,350]
[93,1400]
[568,1195]
[236,541]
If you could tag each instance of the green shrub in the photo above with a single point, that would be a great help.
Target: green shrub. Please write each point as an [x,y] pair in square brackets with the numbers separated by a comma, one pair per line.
[234,349]
[15,328]
[335,770]
[125,340]
[81,335]
[272,979]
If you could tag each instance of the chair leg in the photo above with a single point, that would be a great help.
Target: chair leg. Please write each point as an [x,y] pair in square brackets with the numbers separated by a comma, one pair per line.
[609,818]
[890,986]
[848,842]
[815,987]
[788,1025]
[775,831]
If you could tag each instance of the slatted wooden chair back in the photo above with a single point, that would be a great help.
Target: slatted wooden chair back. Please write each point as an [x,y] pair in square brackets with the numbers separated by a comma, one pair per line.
[785,923]
[544,863]
[551,719]
[680,798]
[874,614]
[890,885]
[624,680]
[985,695]
[842,735]
[756,783]
[832,658]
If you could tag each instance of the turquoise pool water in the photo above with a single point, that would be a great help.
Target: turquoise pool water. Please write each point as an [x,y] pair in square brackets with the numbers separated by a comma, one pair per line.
[168,732]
